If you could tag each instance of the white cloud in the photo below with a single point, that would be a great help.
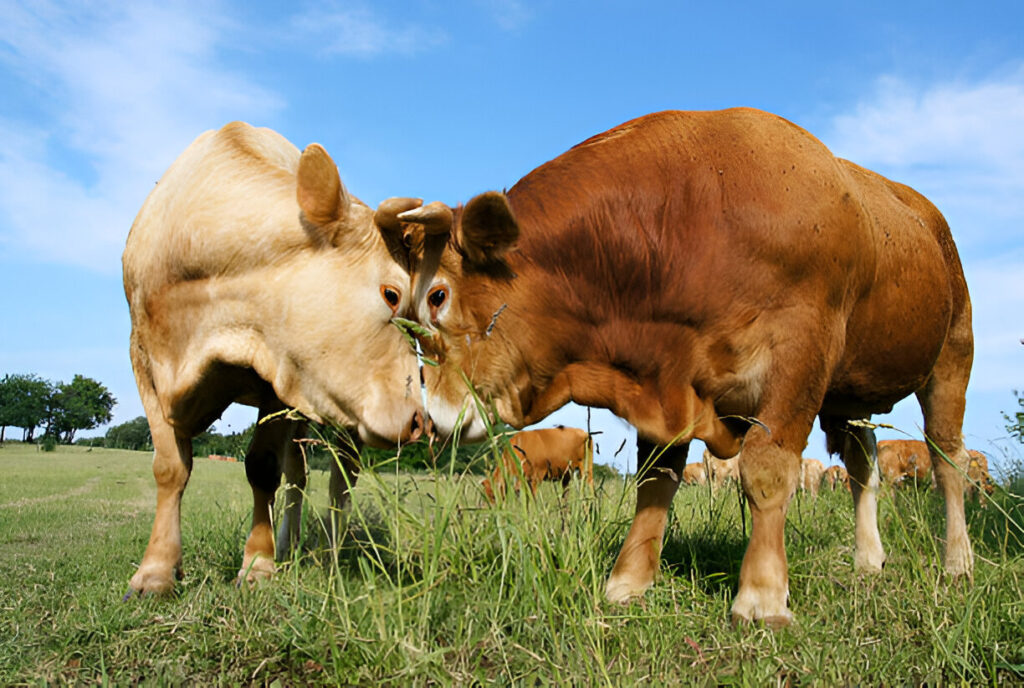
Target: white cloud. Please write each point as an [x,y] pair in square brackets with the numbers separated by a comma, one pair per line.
[509,14]
[358,32]
[961,144]
[121,90]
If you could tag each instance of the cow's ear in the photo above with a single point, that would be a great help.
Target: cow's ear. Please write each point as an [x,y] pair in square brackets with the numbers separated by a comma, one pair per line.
[487,229]
[320,193]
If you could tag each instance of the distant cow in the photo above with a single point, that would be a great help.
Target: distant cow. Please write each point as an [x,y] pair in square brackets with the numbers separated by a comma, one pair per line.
[900,460]
[977,474]
[720,471]
[695,474]
[544,454]
[253,276]
[836,476]
[711,275]
[811,473]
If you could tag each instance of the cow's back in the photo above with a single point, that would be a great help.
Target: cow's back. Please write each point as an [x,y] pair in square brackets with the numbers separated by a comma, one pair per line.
[227,204]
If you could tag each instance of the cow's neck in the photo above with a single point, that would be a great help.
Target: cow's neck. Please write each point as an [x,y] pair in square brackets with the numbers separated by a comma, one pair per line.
[534,352]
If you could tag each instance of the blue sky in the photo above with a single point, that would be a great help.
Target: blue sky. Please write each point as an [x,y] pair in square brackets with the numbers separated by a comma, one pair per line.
[446,99]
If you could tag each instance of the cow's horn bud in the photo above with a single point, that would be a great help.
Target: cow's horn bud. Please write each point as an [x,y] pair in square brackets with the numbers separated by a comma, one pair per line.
[435,217]
[387,212]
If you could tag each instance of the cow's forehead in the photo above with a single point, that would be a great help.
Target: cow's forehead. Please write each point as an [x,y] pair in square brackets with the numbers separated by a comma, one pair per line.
[431,257]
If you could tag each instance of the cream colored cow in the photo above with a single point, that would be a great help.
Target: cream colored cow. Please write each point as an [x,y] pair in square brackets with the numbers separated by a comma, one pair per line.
[811,473]
[720,471]
[253,276]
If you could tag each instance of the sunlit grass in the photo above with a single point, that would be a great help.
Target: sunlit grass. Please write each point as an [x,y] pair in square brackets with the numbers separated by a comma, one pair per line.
[433,585]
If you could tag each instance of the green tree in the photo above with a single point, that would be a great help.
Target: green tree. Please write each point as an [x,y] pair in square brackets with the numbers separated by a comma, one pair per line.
[212,442]
[131,435]
[81,405]
[23,403]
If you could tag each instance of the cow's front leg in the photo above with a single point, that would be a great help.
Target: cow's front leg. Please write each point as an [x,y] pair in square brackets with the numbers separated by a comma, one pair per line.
[770,474]
[161,565]
[638,559]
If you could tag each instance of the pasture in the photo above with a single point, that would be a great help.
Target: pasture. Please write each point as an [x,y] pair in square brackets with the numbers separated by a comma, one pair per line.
[432,586]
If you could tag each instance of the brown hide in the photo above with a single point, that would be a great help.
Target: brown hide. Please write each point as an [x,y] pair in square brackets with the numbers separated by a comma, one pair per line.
[614,294]
[900,460]
[251,275]
[544,454]
[693,272]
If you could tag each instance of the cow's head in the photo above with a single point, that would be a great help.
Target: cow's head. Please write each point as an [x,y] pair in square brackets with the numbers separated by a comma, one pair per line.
[458,261]
[349,289]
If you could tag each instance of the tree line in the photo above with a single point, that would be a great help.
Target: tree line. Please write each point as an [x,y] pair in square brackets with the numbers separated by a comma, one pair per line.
[60,408]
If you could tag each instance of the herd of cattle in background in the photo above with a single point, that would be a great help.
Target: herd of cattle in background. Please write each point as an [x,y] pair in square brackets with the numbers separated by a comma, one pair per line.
[718,276]
[899,462]
[561,453]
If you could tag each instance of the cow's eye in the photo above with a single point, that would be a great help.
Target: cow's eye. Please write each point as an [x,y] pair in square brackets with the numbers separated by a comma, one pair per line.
[391,296]
[437,297]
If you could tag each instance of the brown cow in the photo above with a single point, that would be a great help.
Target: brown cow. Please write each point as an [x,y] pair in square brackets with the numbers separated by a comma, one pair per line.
[544,454]
[900,460]
[253,276]
[811,473]
[978,477]
[836,476]
[711,275]
[695,474]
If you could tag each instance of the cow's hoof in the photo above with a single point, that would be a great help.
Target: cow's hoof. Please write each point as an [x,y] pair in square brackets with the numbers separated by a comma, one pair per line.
[869,562]
[774,621]
[258,569]
[764,606]
[622,591]
[959,561]
[153,580]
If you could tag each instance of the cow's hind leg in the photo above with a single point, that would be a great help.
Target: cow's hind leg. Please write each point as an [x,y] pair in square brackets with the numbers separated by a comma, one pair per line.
[859,452]
[344,473]
[172,465]
[770,472]
[263,464]
[289,531]
[657,483]
[942,403]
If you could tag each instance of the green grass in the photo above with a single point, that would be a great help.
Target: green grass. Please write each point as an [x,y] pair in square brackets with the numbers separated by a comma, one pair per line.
[432,586]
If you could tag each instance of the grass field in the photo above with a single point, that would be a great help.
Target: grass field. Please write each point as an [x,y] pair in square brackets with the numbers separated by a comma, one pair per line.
[432,587]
